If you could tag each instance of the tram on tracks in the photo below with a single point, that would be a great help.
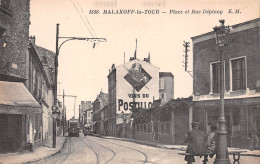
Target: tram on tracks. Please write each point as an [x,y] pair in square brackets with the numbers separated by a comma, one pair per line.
[74,127]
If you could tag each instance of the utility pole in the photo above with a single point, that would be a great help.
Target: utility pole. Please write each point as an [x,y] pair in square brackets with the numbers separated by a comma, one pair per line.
[55,89]
[186,46]
[64,114]
[55,109]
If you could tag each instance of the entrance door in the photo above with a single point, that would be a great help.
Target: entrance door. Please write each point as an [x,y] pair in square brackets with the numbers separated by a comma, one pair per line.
[11,132]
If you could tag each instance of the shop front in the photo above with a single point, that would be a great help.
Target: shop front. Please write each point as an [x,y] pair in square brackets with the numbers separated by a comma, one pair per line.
[20,113]
[242,116]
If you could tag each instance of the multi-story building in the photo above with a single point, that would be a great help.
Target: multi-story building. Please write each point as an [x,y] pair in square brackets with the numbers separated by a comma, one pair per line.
[88,116]
[83,117]
[18,107]
[24,81]
[47,59]
[166,86]
[100,102]
[134,84]
[241,80]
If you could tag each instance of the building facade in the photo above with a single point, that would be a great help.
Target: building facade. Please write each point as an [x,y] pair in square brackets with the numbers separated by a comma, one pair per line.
[98,105]
[47,59]
[83,117]
[26,87]
[166,86]
[132,85]
[242,81]
[18,107]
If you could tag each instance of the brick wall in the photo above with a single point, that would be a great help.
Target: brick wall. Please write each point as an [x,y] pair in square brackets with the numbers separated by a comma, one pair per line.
[13,56]
[243,43]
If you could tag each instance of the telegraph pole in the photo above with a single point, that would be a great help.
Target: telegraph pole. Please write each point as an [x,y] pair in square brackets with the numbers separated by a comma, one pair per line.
[64,114]
[186,46]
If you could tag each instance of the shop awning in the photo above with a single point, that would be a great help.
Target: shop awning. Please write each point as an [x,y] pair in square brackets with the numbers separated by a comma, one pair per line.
[16,99]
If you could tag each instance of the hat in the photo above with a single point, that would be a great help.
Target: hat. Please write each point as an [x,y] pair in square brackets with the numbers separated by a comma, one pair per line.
[195,124]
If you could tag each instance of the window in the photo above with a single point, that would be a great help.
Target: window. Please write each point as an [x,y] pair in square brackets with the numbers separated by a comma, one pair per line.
[238,74]
[149,128]
[162,127]
[164,96]
[215,76]
[168,128]
[161,83]
[144,128]
[2,30]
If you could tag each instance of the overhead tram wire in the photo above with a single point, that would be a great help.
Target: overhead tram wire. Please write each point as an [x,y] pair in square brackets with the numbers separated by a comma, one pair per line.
[86,19]
[82,19]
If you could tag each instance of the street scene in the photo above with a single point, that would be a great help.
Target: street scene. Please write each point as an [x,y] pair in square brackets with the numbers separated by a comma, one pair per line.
[150,81]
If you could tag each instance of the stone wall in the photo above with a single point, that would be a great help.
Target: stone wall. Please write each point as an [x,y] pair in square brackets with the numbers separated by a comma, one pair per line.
[16,24]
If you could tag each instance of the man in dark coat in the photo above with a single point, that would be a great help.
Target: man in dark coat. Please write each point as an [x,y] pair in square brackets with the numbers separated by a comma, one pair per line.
[196,140]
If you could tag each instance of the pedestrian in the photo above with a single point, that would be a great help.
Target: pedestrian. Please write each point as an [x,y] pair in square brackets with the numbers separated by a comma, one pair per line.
[118,131]
[196,143]
[211,141]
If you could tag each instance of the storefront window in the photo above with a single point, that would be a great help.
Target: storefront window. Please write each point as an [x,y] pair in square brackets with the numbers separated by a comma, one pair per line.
[149,128]
[236,122]
[162,127]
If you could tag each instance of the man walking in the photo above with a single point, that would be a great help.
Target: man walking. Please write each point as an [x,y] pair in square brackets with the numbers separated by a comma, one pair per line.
[196,140]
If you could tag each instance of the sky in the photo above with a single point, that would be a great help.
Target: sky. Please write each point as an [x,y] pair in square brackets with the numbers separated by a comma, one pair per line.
[83,70]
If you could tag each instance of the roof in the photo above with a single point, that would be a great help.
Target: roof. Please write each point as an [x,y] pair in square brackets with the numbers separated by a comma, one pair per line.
[165,74]
[233,26]
[130,62]
[16,99]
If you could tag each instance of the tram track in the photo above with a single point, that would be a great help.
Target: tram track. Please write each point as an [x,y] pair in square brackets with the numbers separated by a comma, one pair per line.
[91,148]
[68,152]
[114,153]
[145,155]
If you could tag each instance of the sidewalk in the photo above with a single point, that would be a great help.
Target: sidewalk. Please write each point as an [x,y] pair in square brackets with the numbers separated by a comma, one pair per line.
[254,153]
[39,153]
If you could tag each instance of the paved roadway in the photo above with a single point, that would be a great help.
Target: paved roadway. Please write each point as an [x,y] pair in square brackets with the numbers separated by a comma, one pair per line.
[95,150]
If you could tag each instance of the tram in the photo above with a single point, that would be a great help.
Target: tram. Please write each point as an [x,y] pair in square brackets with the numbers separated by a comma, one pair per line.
[86,130]
[74,127]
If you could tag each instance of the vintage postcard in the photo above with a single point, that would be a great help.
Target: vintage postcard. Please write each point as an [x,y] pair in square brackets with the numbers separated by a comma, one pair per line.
[130,81]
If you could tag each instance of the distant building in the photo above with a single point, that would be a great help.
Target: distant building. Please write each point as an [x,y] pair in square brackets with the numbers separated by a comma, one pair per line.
[85,105]
[166,86]
[88,116]
[242,81]
[100,102]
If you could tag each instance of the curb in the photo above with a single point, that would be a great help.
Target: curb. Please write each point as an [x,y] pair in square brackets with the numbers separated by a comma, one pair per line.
[53,154]
[162,146]
[135,141]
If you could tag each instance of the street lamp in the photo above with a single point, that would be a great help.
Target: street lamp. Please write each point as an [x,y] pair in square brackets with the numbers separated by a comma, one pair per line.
[94,40]
[55,115]
[222,33]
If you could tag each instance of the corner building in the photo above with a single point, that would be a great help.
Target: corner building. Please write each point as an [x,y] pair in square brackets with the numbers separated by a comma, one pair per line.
[132,85]
[241,79]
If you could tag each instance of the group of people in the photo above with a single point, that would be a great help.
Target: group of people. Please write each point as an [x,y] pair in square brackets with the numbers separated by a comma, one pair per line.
[199,144]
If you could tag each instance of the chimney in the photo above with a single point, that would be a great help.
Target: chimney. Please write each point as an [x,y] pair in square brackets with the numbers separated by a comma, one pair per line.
[32,39]
[132,58]
[147,59]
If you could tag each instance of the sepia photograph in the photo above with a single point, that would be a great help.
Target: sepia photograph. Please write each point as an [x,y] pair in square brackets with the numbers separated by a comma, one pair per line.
[129,81]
